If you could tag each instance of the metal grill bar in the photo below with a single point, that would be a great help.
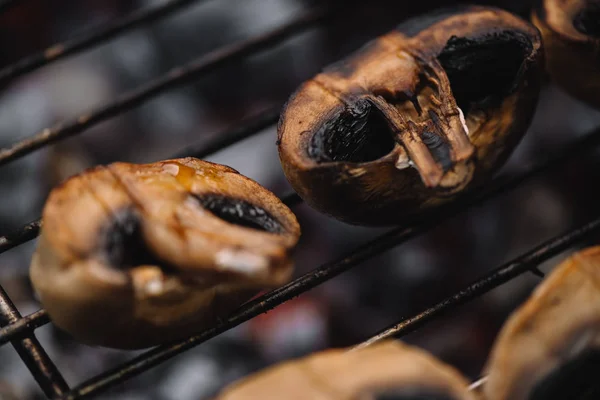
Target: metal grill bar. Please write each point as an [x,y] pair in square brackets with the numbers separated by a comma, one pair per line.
[62,50]
[246,128]
[23,325]
[172,79]
[312,279]
[32,353]
[497,277]
[25,234]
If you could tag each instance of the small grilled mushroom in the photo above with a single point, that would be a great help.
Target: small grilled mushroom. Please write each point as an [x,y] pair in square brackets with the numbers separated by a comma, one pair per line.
[550,347]
[135,255]
[414,117]
[571,33]
[389,370]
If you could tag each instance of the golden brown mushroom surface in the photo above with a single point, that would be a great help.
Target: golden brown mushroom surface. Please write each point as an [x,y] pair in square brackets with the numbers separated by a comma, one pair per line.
[414,117]
[549,349]
[571,33]
[133,255]
[389,370]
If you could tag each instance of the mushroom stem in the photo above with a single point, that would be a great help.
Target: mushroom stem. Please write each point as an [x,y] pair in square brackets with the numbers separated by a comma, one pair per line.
[410,139]
[433,146]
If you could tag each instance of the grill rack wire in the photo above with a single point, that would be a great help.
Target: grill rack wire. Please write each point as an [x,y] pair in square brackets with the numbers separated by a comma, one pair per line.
[19,330]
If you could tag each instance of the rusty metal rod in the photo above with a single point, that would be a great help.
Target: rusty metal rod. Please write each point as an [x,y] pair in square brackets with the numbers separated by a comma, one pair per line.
[243,130]
[22,326]
[89,39]
[512,269]
[28,232]
[175,77]
[31,352]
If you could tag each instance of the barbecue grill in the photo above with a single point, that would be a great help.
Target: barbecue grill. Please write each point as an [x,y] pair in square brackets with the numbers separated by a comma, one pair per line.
[19,330]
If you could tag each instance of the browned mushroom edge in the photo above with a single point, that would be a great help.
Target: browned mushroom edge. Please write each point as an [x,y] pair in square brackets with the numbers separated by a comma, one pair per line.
[380,135]
[550,346]
[131,256]
[388,370]
[571,33]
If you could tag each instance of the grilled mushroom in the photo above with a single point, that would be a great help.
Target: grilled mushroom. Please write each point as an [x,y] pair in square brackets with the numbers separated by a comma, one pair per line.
[414,117]
[390,370]
[571,34]
[550,347]
[135,255]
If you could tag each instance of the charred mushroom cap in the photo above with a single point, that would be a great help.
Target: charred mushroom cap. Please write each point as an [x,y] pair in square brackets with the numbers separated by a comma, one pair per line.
[414,117]
[387,369]
[571,33]
[135,255]
[550,347]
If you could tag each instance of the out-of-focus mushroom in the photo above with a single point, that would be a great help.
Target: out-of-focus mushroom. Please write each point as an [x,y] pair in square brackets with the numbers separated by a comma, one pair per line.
[550,347]
[389,370]
[571,34]
[135,255]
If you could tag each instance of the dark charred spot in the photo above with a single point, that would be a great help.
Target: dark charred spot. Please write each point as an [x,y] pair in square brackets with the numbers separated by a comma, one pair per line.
[410,394]
[485,69]
[357,134]
[587,21]
[240,212]
[124,245]
[414,26]
[439,148]
[577,379]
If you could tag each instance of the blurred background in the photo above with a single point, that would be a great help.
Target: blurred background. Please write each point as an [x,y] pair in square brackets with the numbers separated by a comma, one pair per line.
[342,312]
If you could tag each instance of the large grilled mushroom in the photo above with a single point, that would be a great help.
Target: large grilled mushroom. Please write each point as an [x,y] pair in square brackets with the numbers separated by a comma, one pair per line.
[571,34]
[389,370]
[414,117]
[549,349]
[135,255]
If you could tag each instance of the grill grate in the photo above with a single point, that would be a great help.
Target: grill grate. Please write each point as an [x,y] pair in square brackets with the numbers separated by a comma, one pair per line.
[20,330]
[171,80]
[512,269]
[84,42]
[31,352]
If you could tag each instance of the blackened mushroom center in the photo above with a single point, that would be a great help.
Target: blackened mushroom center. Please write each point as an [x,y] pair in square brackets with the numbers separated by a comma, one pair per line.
[240,212]
[484,70]
[124,246]
[587,21]
[358,133]
[577,379]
